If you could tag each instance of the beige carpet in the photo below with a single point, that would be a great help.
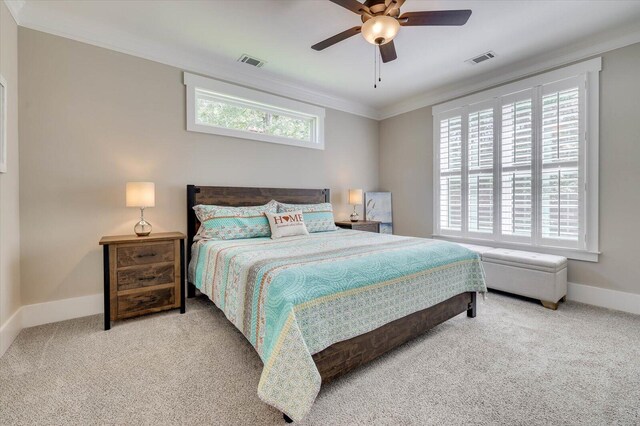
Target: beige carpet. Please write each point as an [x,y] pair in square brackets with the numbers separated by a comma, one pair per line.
[516,363]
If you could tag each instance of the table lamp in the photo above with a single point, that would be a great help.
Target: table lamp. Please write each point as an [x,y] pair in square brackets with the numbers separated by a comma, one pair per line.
[355,198]
[141,195]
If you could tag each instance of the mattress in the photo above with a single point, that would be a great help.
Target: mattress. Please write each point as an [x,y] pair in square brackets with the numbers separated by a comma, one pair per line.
[294,297]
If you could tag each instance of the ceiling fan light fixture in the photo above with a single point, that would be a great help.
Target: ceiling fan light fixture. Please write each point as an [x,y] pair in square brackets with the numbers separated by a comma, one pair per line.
[380,29]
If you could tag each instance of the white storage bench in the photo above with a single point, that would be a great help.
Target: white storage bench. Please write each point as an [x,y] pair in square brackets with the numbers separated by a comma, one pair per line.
[535,275]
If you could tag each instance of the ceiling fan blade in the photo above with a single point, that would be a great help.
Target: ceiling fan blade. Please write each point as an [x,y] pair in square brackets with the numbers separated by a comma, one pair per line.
[336,38]
[435,17]
[353,5]
[388,52]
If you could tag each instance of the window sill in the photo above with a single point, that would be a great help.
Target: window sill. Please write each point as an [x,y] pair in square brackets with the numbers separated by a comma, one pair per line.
[587,256]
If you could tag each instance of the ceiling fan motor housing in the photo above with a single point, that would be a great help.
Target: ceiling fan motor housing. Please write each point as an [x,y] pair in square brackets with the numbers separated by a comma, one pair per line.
[377,7]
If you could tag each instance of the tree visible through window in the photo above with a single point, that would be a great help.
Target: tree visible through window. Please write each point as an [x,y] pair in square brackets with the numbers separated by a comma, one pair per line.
[217,111]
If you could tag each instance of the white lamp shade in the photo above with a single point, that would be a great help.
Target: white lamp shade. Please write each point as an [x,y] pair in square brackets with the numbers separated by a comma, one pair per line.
[356,196]
[141,194]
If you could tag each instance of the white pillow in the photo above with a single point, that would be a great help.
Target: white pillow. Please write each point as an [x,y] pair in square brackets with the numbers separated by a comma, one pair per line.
[286,224]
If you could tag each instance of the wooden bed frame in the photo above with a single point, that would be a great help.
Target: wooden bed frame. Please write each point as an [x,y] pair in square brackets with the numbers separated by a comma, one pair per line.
[342,357]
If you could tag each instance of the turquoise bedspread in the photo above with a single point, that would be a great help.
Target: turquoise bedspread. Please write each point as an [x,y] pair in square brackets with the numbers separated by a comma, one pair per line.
[295,296]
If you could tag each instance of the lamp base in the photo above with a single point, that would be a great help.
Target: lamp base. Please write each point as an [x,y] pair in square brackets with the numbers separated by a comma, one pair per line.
[354,217]
[142,228]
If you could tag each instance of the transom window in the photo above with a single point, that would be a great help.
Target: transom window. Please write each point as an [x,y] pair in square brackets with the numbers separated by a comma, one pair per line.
[517,165]
[225,109]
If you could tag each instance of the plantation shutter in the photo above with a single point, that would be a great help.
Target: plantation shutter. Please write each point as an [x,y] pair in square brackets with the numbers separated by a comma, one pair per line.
[480,171]
[516,165]
[561,199]
[451,173]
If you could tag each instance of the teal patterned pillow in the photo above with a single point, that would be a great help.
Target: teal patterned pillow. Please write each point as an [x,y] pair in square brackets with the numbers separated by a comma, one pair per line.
[233,223]
[317,217]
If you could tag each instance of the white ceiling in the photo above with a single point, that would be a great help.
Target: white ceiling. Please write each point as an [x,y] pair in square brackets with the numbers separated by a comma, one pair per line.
[209,36]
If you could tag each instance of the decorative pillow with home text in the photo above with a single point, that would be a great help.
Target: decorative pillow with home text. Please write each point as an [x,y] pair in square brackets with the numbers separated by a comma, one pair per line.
[286,224]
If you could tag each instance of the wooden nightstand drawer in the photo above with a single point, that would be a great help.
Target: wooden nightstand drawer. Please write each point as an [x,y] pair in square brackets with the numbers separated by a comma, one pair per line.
[361,225]
[145,254]
[145,276]
[368,227]
[144,302]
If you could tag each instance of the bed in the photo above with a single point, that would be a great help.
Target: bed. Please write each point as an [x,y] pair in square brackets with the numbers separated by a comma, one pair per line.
[315,307]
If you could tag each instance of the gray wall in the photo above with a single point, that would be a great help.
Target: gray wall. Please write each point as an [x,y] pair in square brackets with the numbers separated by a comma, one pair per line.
[406,158]
[9,182]
[93,119]
[406,167]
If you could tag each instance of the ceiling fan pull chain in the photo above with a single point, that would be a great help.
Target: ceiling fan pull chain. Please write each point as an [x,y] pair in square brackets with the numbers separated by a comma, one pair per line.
[379,65]
[375,59]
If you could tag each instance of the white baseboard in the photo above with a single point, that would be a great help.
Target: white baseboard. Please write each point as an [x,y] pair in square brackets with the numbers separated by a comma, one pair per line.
[60,310]
[48,312]
[605,298]
[9,331]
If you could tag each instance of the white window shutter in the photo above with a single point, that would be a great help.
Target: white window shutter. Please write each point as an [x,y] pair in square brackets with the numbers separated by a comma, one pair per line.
[516,164]
[451,173]
[560,182]
[480,171]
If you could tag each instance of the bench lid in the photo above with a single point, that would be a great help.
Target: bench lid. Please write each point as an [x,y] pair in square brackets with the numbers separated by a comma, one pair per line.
[525,259]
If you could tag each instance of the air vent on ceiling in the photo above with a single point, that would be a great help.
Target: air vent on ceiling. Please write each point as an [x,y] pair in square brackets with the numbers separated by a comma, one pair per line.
[484,57]
[251,60]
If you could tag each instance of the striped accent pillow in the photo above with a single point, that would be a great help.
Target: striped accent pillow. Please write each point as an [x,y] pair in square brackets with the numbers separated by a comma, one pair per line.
[233,223]
[317,217]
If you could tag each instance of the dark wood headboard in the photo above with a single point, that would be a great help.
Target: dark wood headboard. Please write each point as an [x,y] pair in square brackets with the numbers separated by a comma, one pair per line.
[243,196]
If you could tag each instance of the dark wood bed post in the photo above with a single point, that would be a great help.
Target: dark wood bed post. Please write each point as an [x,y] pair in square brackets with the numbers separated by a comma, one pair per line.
[191,229]
[471,311]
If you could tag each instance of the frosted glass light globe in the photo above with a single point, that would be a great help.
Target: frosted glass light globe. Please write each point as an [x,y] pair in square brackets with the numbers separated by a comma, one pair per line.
[380,29]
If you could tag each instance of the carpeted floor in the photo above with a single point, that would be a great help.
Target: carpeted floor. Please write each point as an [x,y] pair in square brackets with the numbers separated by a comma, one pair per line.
[516,363]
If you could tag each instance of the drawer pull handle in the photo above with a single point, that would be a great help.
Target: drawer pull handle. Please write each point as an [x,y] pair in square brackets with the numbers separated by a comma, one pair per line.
[146,255]
[146,278]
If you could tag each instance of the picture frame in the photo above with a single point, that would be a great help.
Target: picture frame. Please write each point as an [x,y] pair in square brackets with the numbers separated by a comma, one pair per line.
[378,207]
[3,125]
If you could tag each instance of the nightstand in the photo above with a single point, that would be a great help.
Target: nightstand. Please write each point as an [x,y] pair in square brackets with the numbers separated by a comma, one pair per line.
[142,275]
[361,225]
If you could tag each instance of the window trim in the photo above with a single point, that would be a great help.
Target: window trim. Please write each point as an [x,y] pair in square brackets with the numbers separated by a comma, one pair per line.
[589,71]
[262,101]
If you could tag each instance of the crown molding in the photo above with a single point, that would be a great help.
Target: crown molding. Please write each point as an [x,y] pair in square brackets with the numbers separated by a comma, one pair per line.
[15,6]
[239,74]
[557,58]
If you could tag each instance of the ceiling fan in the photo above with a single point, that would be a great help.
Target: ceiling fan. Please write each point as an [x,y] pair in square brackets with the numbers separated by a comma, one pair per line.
[381,21]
